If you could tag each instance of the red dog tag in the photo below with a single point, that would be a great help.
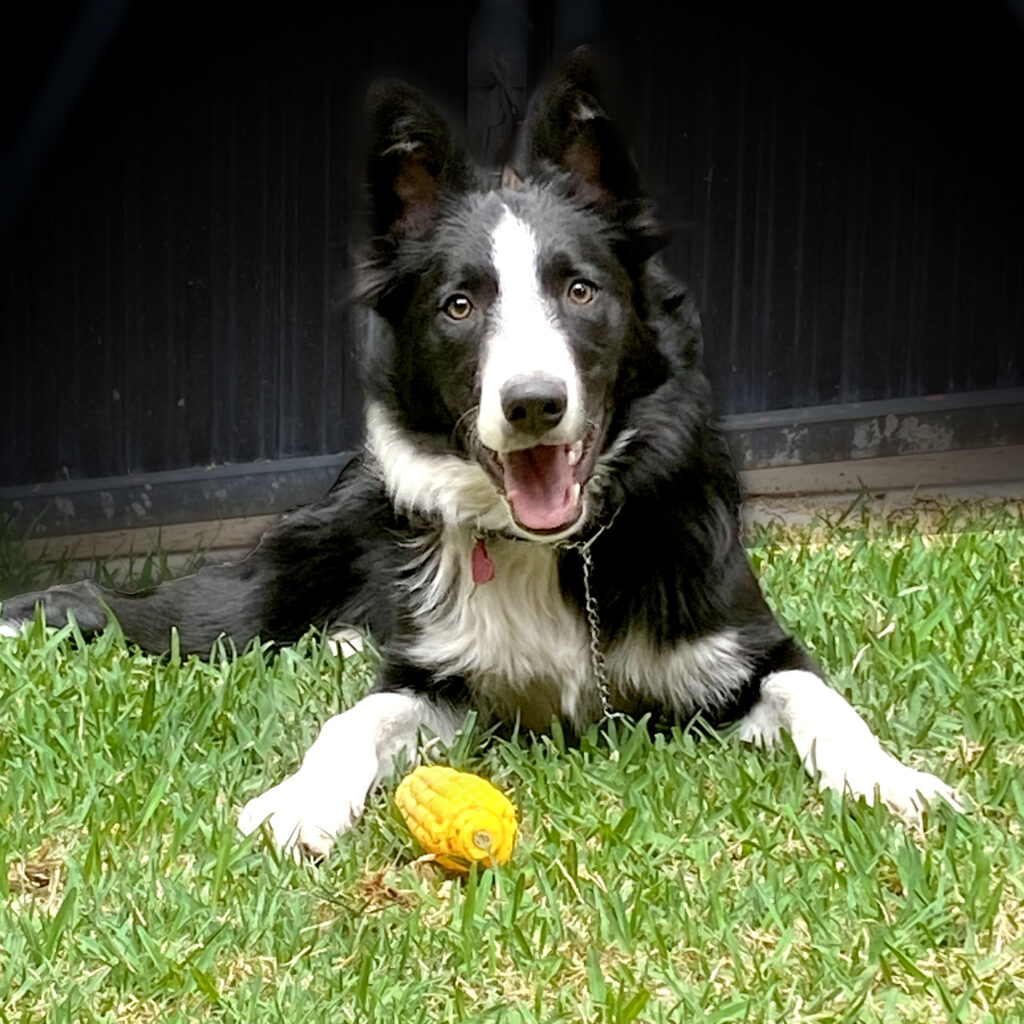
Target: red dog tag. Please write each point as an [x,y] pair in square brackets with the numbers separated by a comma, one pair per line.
[483,567]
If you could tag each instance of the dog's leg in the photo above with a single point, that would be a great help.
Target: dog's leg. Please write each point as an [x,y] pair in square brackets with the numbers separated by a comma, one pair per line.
[316,565]
[835,744]
[218,601]
[354,751]
[84,600]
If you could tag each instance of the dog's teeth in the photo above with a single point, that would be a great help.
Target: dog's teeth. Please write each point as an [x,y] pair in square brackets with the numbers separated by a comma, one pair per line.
[575,452]
[576,488]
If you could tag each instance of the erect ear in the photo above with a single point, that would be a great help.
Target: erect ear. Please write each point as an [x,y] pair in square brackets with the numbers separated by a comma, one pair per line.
[412,158]
[569,128]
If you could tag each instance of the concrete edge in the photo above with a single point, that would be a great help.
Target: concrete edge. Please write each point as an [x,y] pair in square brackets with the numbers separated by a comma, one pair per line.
[792,494]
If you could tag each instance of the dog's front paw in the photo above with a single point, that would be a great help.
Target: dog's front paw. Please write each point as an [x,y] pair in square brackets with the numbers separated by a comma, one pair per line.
[305,814]
[904,790]
[9,629]
[909,791]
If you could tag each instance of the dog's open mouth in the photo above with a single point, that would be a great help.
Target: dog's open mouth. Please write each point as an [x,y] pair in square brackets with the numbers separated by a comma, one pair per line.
[543,484]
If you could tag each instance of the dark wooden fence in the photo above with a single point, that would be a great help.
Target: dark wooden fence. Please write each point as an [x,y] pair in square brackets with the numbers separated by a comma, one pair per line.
[845,197]
[846,186]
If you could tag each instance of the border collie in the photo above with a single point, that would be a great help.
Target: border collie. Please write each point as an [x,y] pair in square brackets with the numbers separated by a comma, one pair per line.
[544,521]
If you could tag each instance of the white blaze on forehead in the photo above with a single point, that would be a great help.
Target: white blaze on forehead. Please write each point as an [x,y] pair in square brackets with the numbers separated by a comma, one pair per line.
[525,339]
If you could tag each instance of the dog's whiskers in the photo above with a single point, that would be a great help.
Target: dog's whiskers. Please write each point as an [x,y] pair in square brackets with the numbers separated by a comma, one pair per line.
[464,432]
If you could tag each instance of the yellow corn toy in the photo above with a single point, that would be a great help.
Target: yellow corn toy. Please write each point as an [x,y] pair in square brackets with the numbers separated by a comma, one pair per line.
[459,817]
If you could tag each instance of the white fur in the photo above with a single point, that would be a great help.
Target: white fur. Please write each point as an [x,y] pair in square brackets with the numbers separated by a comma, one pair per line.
[445,487]
[684,678]
[9,629]
[835,743]
[521,648]
[354,751]
[525,340]
[345,641]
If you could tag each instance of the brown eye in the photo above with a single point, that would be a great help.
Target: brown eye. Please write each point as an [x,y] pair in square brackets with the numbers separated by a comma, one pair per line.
[581,292]
[457,307]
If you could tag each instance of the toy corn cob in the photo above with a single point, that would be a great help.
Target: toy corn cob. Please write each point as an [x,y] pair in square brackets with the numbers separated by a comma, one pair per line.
[460,818]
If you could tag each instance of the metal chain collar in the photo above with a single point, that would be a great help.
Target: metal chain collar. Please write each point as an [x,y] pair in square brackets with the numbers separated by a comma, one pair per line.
[598,668]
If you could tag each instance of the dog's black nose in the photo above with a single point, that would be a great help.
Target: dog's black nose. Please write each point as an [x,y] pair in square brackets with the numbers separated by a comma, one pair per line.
[534,403]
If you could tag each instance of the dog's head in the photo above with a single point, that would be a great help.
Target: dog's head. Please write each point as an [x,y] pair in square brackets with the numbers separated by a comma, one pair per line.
[522,315]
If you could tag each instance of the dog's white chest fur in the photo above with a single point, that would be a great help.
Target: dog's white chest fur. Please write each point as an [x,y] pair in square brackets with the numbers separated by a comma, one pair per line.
[521,648]
[525,651]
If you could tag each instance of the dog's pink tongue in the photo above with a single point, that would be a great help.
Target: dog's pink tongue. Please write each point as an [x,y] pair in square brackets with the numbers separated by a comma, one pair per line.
[539,484]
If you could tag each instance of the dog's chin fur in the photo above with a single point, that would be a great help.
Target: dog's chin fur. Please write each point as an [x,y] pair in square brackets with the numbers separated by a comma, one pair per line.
[443,487]
[454,490]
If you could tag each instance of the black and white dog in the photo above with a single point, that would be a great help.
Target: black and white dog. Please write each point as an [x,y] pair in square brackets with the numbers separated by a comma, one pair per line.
[544,522]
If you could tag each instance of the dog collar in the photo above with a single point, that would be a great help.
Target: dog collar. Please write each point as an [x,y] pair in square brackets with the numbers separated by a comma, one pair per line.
[483,565]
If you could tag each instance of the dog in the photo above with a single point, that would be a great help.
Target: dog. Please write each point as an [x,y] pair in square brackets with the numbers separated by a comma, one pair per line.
[545,521]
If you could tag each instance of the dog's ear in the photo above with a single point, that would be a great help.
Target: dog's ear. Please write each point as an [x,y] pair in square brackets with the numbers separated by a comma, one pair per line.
[570,128]
[412,159]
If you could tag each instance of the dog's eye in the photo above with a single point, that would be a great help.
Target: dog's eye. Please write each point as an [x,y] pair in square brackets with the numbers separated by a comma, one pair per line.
[457,307]
[581,292]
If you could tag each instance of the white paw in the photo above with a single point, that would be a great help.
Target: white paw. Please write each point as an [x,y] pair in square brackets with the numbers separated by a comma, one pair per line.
[10,629]
[353,752]
[835,744]
[304,814]
[345,642]
[904,790]
[759,727]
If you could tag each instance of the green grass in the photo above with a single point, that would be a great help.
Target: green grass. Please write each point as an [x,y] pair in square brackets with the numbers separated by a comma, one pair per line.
[20,574]
[665,877]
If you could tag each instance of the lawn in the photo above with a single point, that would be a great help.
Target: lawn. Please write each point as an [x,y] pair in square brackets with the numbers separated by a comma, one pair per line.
[660,876]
